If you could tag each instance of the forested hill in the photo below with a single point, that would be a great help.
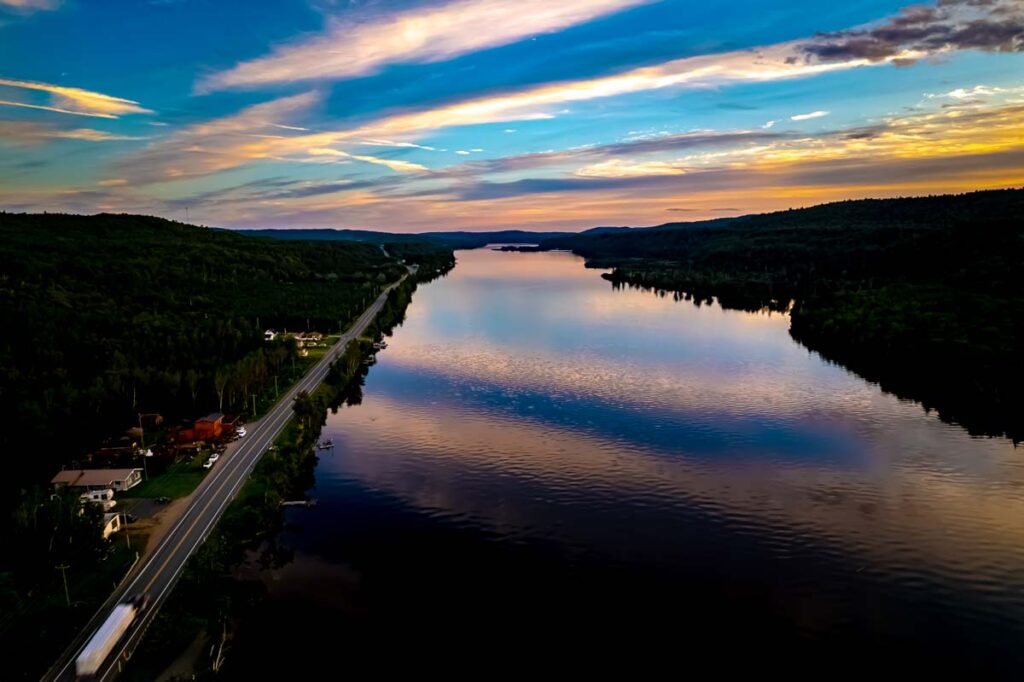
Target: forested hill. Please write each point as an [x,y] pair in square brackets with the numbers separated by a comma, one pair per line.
[108,316]
[924,295]
[454,240]
[864,225]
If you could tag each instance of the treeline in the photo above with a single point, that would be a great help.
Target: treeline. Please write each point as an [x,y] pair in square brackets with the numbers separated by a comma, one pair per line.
[446,240]
[433,260]
[923,295]
[108,316]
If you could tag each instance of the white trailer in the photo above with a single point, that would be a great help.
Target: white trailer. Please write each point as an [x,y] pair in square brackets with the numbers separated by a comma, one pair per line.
[107,636]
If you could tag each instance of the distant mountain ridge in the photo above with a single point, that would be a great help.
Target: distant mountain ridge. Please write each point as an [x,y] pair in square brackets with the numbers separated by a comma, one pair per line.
[455,240]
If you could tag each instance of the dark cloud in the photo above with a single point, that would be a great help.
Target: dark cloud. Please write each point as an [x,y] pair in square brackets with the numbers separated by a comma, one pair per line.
[988,25]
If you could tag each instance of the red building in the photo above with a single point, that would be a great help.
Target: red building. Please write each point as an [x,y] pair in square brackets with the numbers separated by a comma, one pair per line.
[209,426]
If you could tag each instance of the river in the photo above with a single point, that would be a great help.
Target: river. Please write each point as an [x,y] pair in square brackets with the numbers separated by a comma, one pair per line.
[547,471]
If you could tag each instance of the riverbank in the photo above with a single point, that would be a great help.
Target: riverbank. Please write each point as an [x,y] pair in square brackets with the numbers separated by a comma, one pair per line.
[922,296]
[214,591]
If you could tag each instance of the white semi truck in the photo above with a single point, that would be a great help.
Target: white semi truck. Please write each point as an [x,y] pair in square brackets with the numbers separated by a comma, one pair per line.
[96,651]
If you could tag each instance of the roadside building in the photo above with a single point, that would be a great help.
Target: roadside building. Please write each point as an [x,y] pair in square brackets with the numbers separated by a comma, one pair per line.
[111,524]
[210,426]
[85,480]
[230,424]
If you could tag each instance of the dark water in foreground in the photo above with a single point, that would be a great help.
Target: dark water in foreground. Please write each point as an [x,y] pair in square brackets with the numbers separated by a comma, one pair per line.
[545,471]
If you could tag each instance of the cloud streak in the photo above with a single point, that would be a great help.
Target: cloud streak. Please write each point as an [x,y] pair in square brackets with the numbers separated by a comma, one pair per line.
[30,5]
[31,132]
[421,35]
[808,117]
[76,101]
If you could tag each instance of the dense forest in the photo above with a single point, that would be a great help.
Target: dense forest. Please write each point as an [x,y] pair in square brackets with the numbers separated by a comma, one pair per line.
[450,240]
[923,295]
[110,316]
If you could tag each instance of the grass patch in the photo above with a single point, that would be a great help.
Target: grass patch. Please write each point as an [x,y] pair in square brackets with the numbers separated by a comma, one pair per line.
[180,479]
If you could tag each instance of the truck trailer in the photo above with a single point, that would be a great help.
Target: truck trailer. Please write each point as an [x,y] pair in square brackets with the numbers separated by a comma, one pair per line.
[96,651]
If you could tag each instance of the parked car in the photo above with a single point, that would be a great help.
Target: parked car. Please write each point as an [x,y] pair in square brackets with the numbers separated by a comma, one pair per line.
[241,432]
[214,456]
[162,500]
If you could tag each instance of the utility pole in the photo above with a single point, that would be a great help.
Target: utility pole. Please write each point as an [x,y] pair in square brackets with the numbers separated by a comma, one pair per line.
[142,433]
[276,392]
[63,572]
[254,404]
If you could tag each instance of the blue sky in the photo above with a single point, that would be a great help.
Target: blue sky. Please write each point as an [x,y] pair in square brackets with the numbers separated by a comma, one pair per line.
[489,114]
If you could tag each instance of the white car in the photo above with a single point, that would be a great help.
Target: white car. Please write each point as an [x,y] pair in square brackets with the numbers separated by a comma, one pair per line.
[214,457]
[207,464]
[241,431]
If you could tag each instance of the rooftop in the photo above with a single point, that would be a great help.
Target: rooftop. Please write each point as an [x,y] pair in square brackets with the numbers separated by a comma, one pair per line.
[87,477]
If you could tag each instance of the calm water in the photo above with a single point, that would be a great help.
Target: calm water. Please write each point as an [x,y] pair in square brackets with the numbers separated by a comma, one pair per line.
[548,471]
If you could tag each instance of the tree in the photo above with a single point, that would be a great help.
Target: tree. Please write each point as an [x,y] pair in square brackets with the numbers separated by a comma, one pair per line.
[220,382]
[192,381]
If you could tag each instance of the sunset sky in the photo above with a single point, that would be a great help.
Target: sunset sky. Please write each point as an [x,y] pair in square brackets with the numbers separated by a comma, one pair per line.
[406,115]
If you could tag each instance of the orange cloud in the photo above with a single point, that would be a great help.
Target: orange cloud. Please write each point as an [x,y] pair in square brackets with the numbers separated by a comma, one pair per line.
[76,101]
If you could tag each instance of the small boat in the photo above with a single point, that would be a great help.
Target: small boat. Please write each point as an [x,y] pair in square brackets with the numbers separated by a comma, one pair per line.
[325,444]
[299,503]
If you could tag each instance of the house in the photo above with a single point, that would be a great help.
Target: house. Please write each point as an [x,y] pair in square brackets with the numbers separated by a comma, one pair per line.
[98,479]
[209,426]
[308,337]
[111,524]
[269,335]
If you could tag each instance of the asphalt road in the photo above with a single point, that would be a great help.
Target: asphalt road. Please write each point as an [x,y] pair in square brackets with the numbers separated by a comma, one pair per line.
[157,572]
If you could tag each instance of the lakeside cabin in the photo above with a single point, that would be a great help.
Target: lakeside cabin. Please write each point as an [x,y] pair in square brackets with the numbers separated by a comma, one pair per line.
[97,479]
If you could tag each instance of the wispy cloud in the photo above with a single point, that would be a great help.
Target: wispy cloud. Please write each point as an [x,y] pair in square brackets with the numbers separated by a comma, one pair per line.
[808,117]
[32,132]
[400,166]
[618,168]
[420,35]
[30,5]
[76,101]
[394,143]
[242,138]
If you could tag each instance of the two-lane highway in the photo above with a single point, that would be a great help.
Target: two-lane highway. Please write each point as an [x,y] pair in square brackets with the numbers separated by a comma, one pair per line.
[157,572]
